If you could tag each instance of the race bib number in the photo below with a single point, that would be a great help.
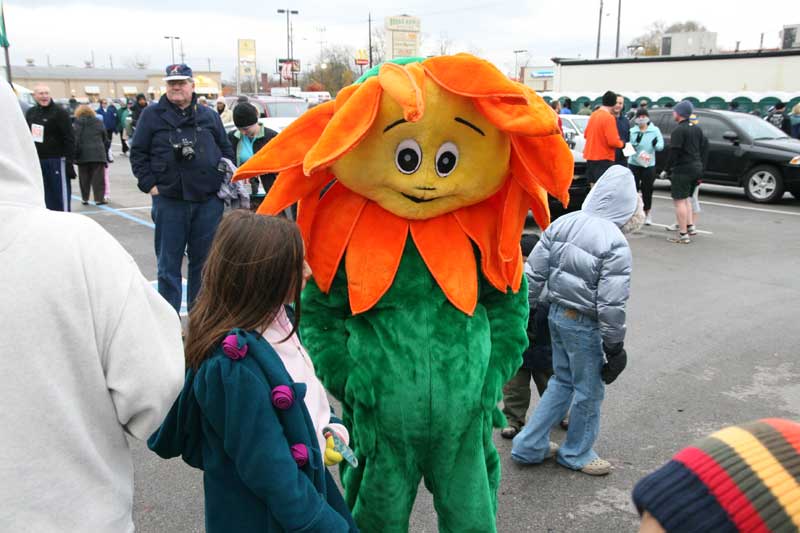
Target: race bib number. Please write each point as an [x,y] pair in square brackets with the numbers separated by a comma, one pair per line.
[37,130]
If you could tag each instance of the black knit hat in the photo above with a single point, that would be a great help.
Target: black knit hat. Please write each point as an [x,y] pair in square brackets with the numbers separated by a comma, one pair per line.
[245,114]
[610,98]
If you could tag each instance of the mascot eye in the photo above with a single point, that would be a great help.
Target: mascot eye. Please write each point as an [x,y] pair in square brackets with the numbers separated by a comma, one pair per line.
[408,156]
[446,159]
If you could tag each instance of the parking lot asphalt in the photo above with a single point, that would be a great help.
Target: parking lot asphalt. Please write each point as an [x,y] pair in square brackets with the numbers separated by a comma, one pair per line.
[713,339]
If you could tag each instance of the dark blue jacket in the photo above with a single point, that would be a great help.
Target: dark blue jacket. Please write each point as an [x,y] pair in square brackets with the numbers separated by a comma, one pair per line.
[155,162]
[225,424]
[109,117]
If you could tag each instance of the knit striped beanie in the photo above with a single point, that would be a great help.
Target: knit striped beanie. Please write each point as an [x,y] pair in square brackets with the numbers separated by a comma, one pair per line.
[740,479]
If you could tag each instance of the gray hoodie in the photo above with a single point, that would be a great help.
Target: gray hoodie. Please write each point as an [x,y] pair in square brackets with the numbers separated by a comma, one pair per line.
[583,258]
[89,353]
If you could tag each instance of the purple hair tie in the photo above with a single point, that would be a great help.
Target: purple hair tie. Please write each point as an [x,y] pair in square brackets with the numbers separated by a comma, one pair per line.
[300,454]
[231,348]
[282,397]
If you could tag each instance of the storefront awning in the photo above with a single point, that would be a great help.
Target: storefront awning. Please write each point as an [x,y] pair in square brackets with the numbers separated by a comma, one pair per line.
[211,89]
[91,89]
[129,89]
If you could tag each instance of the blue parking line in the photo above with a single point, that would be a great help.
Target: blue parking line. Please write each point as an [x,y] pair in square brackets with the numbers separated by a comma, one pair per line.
[121,214]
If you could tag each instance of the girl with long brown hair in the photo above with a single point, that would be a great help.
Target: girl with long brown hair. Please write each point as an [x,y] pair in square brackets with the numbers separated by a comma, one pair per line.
[253,415]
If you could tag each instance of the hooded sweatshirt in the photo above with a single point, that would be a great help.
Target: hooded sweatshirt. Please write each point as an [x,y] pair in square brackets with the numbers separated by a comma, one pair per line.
[583,259]
[89,353]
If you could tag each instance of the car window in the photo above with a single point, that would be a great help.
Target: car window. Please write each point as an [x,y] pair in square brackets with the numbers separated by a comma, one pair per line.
[287,109]
[566,125]
[713,127]
[665,123]
[580,122]
[757,128]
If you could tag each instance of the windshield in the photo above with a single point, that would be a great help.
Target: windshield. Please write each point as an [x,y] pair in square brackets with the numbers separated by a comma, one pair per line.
[580,122]
[287,109]
[756,128]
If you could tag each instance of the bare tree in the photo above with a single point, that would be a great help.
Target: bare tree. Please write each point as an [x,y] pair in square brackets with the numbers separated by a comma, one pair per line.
[333,70]
[137,62]
[649,43]
[444,44]
[378,45]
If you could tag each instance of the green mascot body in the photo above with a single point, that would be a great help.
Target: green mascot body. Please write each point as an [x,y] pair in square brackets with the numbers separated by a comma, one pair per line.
[419,383]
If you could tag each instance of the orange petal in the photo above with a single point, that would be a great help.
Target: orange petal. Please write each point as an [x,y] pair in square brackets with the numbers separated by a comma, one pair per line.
[344,94]
[289,148]
[373,256]
[534,118]
[546,161]
[405,86]
[515,211]
[333,225]
[347,127]
[468,75]
[479,222]
[448,253]
[306,213]
[290,186]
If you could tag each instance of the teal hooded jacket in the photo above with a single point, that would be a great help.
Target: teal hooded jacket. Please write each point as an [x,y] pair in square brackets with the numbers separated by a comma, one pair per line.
[241,419]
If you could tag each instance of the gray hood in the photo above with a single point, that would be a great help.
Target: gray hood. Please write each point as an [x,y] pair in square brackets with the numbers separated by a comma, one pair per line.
[613,197]
[20,174]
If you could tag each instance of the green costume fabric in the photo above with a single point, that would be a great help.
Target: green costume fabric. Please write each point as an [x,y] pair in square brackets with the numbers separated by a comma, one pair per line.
[419,383]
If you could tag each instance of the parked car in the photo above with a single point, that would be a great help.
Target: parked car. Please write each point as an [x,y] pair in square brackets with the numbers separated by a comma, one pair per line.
[276,112]
[573,127]
[743,151]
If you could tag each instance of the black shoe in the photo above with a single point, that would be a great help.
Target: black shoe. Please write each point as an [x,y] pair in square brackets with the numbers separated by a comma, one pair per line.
[84,202]
[100,203]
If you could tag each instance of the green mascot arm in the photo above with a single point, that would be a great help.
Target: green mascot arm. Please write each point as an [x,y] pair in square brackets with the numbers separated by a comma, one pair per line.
[508,320]
[322,327]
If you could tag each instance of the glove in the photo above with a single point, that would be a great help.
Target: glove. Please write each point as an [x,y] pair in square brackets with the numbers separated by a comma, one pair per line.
[331,456]
[70,170]
[616,360]
[663,175]
[655,141]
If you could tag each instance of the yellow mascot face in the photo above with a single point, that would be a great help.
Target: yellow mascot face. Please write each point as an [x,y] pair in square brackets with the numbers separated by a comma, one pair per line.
[451,158]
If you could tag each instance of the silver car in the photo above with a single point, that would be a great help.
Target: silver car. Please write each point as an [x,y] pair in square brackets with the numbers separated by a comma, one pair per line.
[574,126]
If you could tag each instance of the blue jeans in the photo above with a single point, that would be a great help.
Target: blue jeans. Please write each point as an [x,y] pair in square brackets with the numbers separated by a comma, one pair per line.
[183,226]
[577,361]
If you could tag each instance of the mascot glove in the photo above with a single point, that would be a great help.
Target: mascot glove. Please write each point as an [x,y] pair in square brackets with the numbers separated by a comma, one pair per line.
[331,456]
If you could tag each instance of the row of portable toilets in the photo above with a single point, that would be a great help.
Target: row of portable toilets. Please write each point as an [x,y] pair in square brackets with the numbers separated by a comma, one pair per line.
[745,103]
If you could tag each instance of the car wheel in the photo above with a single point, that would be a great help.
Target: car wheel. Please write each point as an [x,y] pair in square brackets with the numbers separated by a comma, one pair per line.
[764,184]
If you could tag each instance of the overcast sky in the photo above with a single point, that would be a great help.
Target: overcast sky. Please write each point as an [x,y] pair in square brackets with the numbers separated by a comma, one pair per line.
[68,31]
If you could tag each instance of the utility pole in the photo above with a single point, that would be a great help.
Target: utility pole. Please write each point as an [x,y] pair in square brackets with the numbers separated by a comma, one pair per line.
[183,56]
[619,16]
[209,63]
[369,21]
[599,26]
[92,58]
[110,60]
[761,43]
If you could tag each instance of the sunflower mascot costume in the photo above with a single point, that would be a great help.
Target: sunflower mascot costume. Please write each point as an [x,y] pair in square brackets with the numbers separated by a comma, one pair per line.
[413,187]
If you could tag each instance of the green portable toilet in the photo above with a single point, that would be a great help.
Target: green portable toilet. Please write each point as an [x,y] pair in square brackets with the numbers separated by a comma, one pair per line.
[547,99]
[695,101]
[664,101]
[645,98]
[596,102]
[765,103]
[715,102]
[577,104]
[791,103]
[745,104]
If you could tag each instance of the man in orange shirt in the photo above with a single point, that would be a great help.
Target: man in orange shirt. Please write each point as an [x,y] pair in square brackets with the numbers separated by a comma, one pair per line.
[602,139]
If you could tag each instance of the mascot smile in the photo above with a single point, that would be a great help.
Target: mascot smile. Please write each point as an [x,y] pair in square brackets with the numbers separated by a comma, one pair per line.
[413,187]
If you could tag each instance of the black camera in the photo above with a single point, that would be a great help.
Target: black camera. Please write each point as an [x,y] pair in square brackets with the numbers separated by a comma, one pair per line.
[184,150]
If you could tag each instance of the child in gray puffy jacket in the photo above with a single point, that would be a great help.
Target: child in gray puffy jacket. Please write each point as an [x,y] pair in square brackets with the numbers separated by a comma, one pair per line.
[584,262]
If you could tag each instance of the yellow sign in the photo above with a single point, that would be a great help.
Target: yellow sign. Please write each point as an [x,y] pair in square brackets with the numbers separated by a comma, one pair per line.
[246,76]
[362,58]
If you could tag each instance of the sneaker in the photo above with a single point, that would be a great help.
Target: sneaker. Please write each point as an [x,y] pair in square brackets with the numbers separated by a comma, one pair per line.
[598,467]
[672,227]
[84,202]
[648,221]
[681,238]
[691,230]
[564,424]
[509,432]
[553,450]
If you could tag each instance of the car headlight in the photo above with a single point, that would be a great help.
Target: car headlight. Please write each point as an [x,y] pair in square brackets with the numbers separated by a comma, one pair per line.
[795,160]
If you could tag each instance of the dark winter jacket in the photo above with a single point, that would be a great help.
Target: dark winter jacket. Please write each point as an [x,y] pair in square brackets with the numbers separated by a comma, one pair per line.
[225,423]
[539,354]
[780,121]
[91,141]
[59,140]
[624,130]
[109,115]
[156,161]
[688,150]
[137,109]
[260,140]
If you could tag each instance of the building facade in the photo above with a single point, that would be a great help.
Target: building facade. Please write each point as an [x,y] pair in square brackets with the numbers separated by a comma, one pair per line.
[95,83]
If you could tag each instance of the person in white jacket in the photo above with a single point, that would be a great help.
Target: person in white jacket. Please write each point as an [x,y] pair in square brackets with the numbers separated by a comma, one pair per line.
[89,353]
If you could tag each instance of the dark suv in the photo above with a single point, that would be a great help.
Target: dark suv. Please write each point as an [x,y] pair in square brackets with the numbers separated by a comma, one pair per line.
[743,151]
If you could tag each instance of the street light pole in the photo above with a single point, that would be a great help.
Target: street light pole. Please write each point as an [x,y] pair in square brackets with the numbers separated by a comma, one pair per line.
[599,26]
[289,33]
[172,45]
[619,16]
[516,61]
